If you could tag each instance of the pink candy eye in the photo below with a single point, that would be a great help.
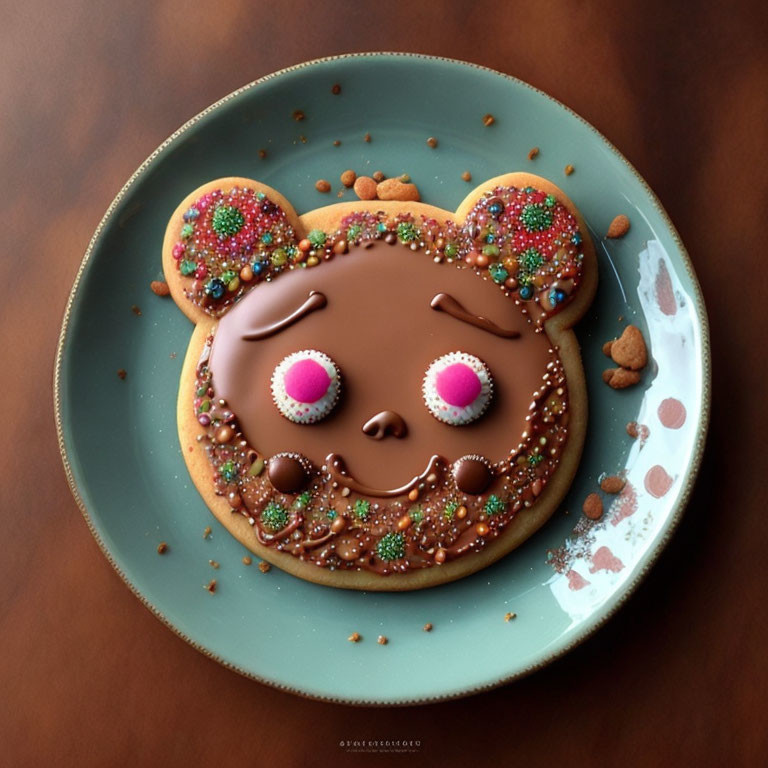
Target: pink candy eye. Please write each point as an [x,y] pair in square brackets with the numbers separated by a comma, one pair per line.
[458,384]
[457,388]
[306,386]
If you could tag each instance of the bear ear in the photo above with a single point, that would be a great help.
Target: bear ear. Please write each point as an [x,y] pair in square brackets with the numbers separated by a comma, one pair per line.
[223,239]
[527,236]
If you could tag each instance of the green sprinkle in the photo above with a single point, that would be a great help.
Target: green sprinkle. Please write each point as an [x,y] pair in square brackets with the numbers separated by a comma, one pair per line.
[535,459]
[494,505]
[202,391]
[450,509]
[317,238]
[362,508]
[550,201]
[228,276]
[535,217]
[416,513]
[227,221]
[274,517]
[381,227]
[205,406]
[391,546]
[451,250]
[523,279]
[498,273]
[187,267]
[407,232]
[491,250]
[228,471]
[256,468]
[530,260]
[354,232]
[266,238]
[331,514]
[186,231]
[279,257]
[302,501]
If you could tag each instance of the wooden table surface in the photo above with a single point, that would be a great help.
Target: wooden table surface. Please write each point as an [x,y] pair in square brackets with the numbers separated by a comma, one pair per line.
[89,677]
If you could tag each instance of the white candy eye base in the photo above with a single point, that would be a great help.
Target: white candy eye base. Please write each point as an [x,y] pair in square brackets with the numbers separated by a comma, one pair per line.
[306,386]
[457,388]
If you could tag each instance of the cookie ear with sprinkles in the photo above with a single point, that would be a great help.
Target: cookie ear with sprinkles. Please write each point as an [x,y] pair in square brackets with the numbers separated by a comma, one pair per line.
[223,239]
[531,240]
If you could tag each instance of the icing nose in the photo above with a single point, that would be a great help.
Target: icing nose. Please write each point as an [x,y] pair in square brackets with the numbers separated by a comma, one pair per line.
[384,424]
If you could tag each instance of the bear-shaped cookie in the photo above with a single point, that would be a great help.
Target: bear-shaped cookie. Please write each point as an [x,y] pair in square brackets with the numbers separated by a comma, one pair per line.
[381,395]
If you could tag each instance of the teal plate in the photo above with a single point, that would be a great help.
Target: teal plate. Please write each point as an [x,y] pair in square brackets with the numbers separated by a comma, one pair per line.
[119,442]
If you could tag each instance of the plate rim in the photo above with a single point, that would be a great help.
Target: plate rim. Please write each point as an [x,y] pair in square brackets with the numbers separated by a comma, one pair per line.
[654,554]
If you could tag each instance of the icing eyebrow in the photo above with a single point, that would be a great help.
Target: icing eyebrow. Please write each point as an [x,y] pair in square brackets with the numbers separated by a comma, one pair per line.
[443,302]
[314,301]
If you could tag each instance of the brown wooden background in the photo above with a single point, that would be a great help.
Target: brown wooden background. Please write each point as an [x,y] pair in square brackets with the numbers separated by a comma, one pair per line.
[89,677]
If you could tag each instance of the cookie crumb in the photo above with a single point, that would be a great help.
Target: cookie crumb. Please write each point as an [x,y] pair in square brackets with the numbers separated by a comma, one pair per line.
[354,638]
[211,586]
[365,188]
[159,288]
[247,560]
[302,138]
[173,355]
[466,176]
[405,178]
[207,532]
[121,374]
[322,185]
[432,142]
[638,431]
[612,484]
[264,566]
[620,378]
[348,177]
[336,143]
[395,189]
[618,227]
[533,153]
[510,616]
[298,115]
[162,548]
[593,507]
[382,640]
[335,89]
[262,153]
[569,169]
[214,564]
[488,119]
[378,176]
[629,350]
[367,138]
[136,310]
[427,627]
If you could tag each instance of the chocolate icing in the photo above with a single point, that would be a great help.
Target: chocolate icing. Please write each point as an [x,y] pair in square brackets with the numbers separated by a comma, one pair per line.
[384,424]
[316,300]
[339,474]
[442,302]
[381,330]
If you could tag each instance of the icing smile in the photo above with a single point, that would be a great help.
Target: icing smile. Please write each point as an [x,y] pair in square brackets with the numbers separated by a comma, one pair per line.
[339,474]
